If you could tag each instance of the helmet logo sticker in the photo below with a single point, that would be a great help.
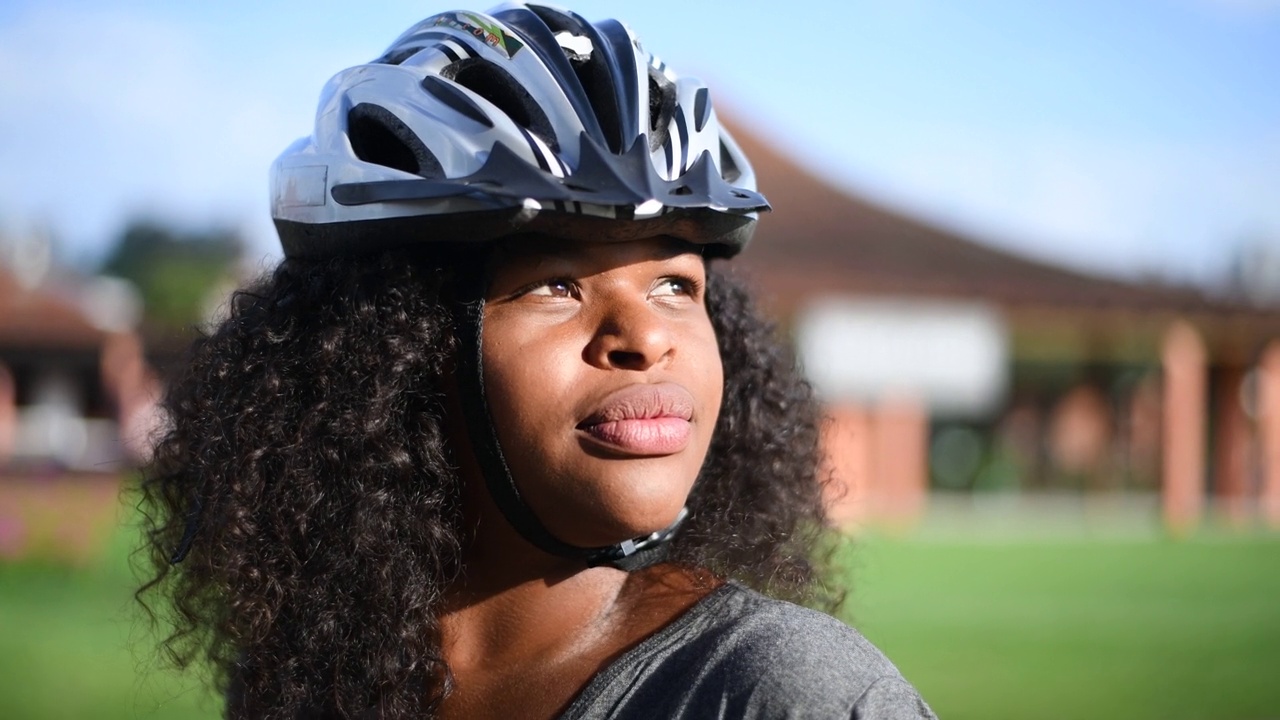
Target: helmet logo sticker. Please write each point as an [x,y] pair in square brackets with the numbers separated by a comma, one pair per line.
[302,186]
[489,33]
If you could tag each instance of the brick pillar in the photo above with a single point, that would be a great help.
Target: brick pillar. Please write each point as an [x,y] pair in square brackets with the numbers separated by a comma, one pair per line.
[1184,427]
[14,532]
[1269,433]
[1232,447]
[8,415]
[136,390]
[900,461]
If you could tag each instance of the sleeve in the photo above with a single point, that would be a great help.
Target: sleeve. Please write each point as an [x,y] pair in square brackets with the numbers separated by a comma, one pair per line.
[891,698]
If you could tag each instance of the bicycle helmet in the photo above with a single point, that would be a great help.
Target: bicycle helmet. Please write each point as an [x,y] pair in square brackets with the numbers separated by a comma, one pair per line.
[524,120]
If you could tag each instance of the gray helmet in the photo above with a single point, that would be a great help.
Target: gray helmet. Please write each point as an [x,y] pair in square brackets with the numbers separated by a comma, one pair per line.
[525,119]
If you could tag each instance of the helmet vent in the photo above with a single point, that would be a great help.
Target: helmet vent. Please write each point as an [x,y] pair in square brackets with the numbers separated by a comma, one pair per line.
[597,82]
[450,95]
[591,67]
[398,56]
[662,103]
[701,109]
[729,169]
[379,137]
[498,87]
[577,48]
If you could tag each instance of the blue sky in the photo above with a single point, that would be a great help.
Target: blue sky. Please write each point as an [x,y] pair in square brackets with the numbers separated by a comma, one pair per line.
[1133,138]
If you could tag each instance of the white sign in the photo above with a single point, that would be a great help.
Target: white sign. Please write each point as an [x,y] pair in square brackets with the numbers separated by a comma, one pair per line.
[952,356]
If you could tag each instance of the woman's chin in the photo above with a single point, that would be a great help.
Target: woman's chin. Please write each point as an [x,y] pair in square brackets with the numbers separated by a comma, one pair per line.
[610,528]
[600,501]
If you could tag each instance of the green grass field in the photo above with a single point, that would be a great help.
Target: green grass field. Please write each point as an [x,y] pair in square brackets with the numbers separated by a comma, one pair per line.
[1137,627]
[73,645]
[1151,628]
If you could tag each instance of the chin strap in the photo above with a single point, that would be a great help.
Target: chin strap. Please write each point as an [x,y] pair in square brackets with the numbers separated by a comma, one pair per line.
[631,555]
[627,555]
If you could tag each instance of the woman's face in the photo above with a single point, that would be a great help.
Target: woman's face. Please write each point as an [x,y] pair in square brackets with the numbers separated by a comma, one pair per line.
[604,380]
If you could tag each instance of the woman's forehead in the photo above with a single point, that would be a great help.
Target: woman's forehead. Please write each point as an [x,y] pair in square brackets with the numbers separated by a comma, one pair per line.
[537,250]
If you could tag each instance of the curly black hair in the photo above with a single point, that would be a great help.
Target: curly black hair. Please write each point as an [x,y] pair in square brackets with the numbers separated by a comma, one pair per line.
[307,432]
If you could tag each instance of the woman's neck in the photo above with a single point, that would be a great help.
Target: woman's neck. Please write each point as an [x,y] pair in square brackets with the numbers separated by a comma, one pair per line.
[524,631]
[526,645]
[521,613]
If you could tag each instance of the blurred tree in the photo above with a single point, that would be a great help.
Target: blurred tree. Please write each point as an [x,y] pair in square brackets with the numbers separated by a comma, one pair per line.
[175,270]
[1255,270]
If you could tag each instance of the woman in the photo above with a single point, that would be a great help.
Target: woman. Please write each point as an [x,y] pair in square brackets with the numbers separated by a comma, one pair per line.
[495,440]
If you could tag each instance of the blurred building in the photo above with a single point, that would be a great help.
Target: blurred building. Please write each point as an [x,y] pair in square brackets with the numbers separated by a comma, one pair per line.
[73,386]
[948,364]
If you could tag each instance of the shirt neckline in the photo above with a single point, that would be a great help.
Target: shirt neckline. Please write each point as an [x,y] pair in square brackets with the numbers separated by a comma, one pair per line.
[658,638]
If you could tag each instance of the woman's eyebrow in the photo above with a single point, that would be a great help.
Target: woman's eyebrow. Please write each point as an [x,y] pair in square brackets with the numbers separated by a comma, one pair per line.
[570,256]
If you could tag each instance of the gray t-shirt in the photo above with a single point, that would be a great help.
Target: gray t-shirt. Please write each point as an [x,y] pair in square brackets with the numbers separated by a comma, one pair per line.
[738,654]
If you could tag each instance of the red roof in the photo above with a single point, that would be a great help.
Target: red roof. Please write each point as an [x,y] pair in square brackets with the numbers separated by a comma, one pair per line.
[40,318]
[822,240]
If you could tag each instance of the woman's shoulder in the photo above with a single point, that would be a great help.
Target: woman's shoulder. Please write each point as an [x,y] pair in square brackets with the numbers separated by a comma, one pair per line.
[758,630]
[740,654]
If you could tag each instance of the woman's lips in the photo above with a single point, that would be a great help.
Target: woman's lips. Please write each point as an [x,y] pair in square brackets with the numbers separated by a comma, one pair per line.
[643,419]
[655,436]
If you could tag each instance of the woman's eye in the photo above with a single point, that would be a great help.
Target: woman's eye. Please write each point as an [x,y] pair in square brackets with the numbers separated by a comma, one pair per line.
[553,288]
[675,287]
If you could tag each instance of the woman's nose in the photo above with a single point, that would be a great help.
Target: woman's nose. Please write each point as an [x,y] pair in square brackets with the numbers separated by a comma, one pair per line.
[631,336]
